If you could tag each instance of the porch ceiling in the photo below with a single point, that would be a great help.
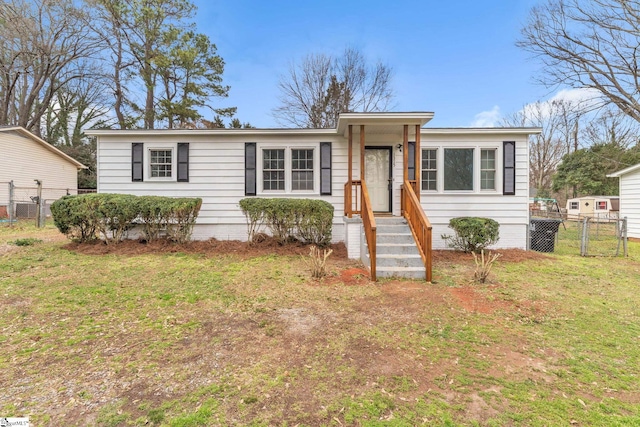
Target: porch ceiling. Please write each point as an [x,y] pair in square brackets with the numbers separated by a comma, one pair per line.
[382,123]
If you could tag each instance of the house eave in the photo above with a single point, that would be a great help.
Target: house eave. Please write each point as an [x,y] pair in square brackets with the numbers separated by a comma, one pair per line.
[476,131]
[624,171]
[22,131]
[207,132]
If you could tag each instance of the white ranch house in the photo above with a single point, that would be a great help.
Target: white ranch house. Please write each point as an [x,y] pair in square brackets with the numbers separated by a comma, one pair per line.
[404,169]
[630,198]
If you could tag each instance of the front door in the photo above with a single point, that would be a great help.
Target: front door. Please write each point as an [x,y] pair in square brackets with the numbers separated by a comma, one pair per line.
[377,175]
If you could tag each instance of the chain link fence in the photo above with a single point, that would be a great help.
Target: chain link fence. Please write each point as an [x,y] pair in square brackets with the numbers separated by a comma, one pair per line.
[587,236]
[30,202]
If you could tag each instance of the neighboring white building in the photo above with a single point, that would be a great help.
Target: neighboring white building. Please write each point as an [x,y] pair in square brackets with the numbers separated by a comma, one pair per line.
[600,207]
[630,198]
[461,171]
[27,158]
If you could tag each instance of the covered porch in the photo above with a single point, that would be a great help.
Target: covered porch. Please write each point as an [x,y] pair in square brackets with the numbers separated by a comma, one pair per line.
[387,154]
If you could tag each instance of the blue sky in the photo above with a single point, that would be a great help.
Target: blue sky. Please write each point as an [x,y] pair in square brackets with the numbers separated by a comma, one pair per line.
[456,58]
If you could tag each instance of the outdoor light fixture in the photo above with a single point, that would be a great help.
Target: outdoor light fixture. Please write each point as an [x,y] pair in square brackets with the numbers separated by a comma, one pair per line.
[399,147]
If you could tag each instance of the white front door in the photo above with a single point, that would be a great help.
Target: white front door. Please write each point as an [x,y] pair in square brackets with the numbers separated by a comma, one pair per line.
[377,175]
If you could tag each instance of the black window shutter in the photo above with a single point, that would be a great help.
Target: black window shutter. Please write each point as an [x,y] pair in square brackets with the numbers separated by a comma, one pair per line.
[509,175]
[250,168]
[136,161]
[412,161]
[325,168]
[183,162]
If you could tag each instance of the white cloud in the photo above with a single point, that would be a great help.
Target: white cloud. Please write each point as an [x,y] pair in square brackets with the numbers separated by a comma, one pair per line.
[488,118]
[576,95]
[576,99]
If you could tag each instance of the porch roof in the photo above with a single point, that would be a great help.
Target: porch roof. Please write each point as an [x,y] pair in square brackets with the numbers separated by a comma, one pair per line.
[382,123]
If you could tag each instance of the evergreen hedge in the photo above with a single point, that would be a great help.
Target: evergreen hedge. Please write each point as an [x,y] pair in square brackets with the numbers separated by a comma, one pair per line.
[307,220]
[110,216]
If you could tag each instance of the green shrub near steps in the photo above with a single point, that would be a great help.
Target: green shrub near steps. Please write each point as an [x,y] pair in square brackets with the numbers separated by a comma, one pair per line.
[110,216]
[308,220]
[472,233]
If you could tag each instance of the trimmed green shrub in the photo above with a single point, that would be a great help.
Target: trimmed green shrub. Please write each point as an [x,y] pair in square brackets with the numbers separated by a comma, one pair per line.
[110,216]
[154,215]
[315,221]
[289,219]
[115,216]
[182,218]
[75,216]
[472,233]
[253,209]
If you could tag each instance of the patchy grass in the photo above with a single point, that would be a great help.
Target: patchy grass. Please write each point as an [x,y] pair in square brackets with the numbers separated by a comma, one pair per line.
[215,334]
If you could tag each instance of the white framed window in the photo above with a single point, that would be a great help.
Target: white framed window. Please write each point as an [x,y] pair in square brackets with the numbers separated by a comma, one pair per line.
[487,169]
[574,205]
[601,205]
[273,169]
[302,169]
[288,169]
[430,169]
[160,163]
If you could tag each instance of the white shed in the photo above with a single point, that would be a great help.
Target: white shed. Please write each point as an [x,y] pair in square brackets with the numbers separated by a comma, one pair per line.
[27,158]
[630,198]
[599,207]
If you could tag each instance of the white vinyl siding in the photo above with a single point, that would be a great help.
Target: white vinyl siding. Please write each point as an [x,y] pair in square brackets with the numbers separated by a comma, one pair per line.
[511,212]
[216,174]
[630,202]
[25,160]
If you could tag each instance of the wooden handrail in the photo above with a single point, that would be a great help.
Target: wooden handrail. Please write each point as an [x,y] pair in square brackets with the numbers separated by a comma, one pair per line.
[369,224]
[352,198]
[418,223]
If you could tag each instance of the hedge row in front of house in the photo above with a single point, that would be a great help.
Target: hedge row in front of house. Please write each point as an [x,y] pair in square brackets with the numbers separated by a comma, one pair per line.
[307,220]
[110,216]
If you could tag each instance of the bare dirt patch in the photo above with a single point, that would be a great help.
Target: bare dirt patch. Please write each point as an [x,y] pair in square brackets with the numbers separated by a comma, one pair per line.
[506,255]
[268,246]
[6,248]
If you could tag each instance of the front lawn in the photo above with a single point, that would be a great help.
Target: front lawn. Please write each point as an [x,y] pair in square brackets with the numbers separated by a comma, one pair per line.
[222,334]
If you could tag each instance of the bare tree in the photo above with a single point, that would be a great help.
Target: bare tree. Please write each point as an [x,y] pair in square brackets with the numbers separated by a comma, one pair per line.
[319,88]
[44,45]
[612,127]
[589,44]
[559,121]
[75,107]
